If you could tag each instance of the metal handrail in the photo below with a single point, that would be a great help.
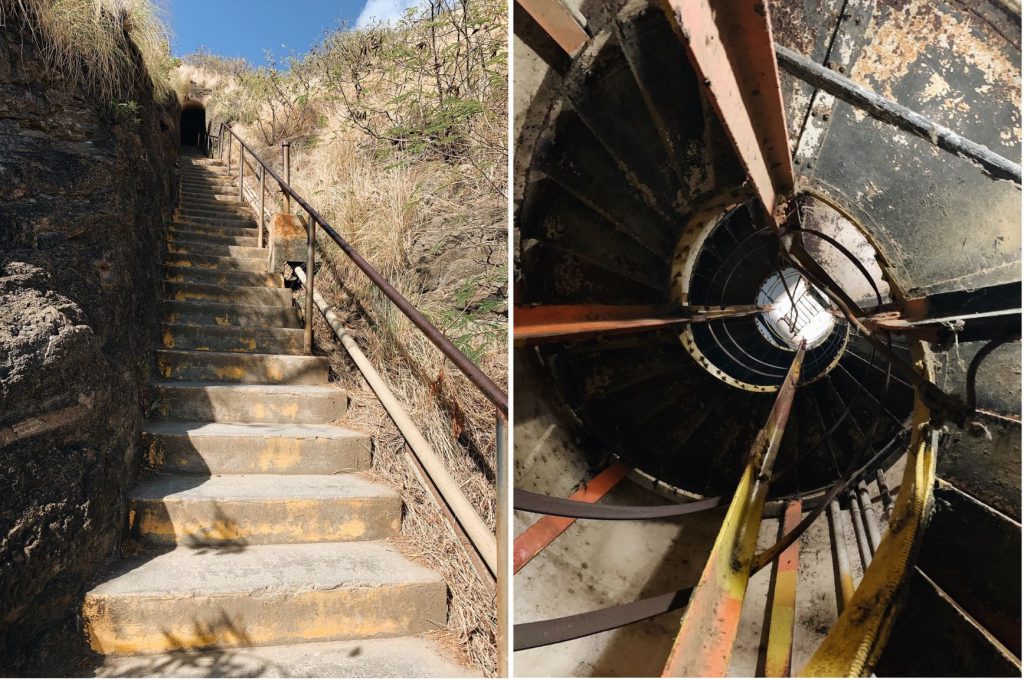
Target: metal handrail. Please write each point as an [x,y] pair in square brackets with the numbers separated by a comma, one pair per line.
[483,383]
[478,378]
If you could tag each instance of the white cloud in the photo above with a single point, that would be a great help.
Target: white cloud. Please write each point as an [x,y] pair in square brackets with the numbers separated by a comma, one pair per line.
[388,11]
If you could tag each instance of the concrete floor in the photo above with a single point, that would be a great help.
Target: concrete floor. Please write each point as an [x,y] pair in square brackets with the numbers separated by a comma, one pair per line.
[597,564]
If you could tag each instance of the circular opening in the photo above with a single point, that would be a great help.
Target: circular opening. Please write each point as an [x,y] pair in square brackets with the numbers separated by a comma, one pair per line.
[799,311]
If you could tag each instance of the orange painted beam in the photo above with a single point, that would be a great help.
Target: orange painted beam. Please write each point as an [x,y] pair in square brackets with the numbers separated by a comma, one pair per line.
[704,644]
[779,652]
[540,535]
[730,46]
[553,17]
[537,324]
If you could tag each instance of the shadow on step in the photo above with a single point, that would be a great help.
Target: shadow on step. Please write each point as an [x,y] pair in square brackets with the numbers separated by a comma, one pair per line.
[199,663]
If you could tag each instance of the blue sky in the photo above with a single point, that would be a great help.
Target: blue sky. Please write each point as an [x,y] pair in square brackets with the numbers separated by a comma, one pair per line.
[245,28]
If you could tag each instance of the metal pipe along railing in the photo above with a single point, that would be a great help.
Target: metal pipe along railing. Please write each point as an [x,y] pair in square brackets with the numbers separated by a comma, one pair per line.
[482,382]
[481,537]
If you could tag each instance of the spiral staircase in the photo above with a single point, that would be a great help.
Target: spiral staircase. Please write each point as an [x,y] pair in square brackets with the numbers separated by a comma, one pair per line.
[681,321]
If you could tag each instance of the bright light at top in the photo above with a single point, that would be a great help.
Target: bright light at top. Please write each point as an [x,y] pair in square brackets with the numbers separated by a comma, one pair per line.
[797,311]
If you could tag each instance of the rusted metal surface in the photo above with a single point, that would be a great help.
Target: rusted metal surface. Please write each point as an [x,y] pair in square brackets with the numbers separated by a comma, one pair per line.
[535,324]
[986,299]
[988,468]
[966,649]
[539,535]
[844,43]
[973,552]
[961,328]
[933,57]
[902,117]
[565,628]
[856,641]
[557,22]
[730,46]
[781,613]
[307,337]
[704,644]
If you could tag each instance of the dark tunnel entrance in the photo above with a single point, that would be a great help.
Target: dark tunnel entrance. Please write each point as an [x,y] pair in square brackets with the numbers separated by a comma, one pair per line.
[193,124]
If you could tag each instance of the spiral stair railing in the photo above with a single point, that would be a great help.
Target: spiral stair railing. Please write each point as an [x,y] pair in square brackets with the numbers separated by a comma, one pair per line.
[876,351]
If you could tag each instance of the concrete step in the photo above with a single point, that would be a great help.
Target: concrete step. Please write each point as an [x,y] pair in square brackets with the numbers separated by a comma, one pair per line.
[407,657]
[220,199]
[232,338]
[251,369]
[204,187]
[208,200]
[200,178]
[259,448]
[240,403]
[202,161]
[213,169]
[216,218]
[261,595]
[262,509]
[194,211]
[241,264]
[215,229]
[206,180]
[199,226]
[242,295]
[229,314]
[222,277]
[211,250]
[184,233]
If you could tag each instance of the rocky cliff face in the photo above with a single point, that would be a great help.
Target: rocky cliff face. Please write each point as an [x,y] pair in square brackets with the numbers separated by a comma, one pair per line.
[86,187]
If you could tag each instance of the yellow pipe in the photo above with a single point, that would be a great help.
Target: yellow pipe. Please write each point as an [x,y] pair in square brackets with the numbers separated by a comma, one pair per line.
[856,641]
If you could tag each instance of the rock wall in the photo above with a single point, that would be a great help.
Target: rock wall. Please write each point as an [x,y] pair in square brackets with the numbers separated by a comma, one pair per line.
[86,187]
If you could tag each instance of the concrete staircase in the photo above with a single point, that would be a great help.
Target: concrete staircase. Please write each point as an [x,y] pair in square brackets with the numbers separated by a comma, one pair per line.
[264,547]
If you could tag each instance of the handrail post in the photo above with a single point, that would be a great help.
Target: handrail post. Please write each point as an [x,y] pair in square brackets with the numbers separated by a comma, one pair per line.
[501,587]
[263,212]
[229,156]
[286,162]
[310,264]
[241,173]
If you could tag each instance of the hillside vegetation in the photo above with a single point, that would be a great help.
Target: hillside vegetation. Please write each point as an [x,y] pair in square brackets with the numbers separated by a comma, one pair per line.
[98,44]
[399,139]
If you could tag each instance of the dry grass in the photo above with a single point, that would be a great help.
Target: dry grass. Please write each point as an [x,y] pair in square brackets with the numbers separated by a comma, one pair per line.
[431,218]
[383,211]
[85,40]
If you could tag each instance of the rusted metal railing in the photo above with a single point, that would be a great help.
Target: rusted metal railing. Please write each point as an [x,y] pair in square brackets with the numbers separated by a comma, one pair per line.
[478,378]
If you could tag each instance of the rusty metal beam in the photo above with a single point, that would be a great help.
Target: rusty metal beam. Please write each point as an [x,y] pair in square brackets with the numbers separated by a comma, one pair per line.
[855,642]
[782,593]
[964,327]
[888,111]
[730,46]
[541,533]
[537,324]
[705,641]
[556,20]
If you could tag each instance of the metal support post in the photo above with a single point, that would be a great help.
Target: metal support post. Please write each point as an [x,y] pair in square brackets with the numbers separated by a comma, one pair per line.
[310,266]
[263,191]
